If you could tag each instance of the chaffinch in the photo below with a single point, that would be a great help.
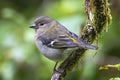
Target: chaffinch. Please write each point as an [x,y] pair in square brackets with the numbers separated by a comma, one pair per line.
[53,39]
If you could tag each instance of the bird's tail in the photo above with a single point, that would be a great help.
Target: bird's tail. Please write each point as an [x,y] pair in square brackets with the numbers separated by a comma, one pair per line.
[88,46]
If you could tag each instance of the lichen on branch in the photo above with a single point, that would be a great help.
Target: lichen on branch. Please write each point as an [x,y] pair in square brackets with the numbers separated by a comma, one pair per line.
[99,18]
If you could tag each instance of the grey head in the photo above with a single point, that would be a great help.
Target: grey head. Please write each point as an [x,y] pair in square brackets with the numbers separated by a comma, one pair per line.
[41,22]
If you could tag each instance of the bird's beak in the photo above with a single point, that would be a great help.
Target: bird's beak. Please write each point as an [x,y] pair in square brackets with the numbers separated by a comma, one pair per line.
[33,26]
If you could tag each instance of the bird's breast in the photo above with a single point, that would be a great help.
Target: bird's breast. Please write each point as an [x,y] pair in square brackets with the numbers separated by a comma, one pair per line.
[51,53]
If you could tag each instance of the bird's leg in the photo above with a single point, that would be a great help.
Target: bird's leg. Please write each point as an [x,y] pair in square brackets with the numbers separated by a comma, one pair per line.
[55,70]
[55,67]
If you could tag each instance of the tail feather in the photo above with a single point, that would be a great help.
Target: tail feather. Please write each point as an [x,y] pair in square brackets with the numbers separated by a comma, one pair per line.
[91,47]
[88,46]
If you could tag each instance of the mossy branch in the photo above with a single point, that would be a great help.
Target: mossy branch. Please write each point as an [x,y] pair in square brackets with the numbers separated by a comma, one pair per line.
[99,17]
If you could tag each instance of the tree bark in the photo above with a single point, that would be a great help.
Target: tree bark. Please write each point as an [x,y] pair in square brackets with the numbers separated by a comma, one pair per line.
[99,17]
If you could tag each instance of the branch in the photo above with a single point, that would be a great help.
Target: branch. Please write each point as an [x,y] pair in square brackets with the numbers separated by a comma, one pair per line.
[98,18]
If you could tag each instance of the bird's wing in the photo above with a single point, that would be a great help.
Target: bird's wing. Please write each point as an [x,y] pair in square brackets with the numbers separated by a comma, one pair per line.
[67,40]
[64,41]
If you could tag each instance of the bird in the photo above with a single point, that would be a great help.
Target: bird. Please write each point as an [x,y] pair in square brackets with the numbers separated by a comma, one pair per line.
[53,39]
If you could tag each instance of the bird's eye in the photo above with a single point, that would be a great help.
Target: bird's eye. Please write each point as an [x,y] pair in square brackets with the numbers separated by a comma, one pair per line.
[40,24]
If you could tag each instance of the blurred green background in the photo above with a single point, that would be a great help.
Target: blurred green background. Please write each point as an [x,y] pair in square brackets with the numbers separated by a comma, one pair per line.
[21,60]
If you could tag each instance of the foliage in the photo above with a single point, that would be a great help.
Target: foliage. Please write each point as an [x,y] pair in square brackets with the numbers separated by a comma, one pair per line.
[21,60]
